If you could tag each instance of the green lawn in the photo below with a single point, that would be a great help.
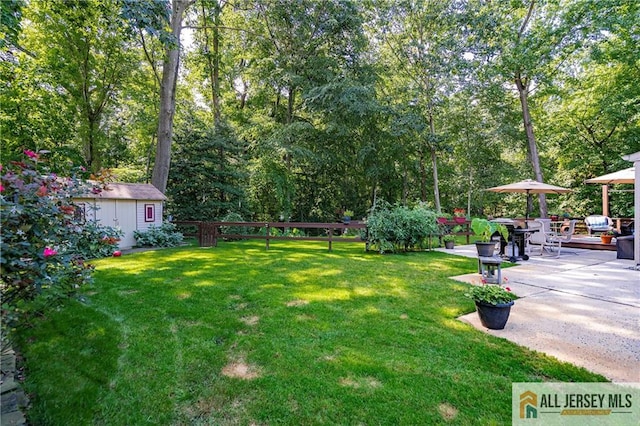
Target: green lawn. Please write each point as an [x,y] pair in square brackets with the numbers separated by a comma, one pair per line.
[294,335]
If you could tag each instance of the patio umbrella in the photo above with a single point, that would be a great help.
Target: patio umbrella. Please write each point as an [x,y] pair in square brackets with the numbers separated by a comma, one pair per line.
[621,176]
[529,187]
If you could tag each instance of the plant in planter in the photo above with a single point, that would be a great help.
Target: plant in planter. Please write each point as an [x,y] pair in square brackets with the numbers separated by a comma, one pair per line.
[449,237]
[493,304]
[484,230]
[459,215]
[606,237]
[346,216]
[443,218]
[449,240]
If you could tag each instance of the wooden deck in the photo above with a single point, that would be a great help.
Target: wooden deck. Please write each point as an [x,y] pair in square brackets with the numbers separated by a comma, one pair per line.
[590,243]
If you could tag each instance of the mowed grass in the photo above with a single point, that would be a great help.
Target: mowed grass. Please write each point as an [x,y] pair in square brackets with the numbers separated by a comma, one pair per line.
[294,335]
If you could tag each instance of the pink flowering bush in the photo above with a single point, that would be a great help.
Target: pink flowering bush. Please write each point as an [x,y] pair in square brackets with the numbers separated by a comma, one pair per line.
[40,260]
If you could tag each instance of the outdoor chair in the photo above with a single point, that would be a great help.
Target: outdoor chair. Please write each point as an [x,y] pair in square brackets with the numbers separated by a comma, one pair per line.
[537,237]
[547,239]
[598,223]
[564,236]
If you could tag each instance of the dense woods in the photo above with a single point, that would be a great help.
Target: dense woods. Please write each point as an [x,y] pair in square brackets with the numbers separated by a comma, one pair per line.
[302,109]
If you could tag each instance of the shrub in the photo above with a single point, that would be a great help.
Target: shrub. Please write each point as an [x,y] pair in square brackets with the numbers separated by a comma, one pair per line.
[399,228]
[165,235]
[40,263]
[97,240]
[238,230]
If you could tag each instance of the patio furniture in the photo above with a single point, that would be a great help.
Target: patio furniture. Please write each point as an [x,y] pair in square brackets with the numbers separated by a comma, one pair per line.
[598,223]
[564,236]
[627,228]
[538,238]
[513,248]
[547,239]
[624,247]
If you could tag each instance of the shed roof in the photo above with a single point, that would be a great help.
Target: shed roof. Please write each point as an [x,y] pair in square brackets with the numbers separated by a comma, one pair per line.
[128,191]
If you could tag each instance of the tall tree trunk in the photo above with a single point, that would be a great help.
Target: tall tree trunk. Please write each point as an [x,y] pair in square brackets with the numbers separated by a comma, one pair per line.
[423,176]
[434,164]
[290,104]
[213,61]
[168,99]
[523,89]
[522,85]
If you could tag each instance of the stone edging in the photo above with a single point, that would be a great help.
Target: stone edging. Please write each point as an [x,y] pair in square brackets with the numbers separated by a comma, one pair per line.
[13,399]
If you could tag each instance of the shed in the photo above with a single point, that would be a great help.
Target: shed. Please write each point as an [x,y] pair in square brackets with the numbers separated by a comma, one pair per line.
[128,206]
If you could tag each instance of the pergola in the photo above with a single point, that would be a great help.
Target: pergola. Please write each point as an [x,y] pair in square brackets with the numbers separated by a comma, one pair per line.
[635,159]
[630,175]
[621,176]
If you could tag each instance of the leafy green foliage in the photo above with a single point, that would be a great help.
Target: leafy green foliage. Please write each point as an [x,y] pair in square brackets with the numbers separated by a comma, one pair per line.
[165,235]
[398,227]
[484,229]
[206,177]
[79,48]
[10,17]
[330,104]
[96,240]
[233,229]
[492,294]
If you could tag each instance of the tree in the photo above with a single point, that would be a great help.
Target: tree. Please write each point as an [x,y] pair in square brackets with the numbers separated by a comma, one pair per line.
[200,187]
[82,48]
[10,23]
[168,86]
[420,43]
[525,43]
[299,47]
[205,68]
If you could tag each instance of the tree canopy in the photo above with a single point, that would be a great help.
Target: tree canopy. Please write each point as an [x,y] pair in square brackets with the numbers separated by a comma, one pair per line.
[301,110]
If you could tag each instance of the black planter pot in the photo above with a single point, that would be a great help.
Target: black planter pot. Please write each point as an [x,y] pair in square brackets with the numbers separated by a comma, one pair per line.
[485,249]
[449,244]
[494,317]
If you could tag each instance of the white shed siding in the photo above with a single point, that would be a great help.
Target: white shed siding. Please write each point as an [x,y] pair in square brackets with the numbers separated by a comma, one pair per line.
[123,205]
[141,214]
[128,215]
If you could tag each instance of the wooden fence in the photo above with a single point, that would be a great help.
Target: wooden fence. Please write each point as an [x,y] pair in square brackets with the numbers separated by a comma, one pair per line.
[208,233]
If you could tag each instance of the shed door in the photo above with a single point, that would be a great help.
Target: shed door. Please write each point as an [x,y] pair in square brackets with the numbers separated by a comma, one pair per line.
[106,213]
[126,214]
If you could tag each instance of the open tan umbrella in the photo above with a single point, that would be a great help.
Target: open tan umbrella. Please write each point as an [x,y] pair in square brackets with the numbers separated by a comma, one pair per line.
[528,187]
[621,176]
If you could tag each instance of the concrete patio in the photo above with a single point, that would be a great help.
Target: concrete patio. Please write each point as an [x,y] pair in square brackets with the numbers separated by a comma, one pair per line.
[582,307]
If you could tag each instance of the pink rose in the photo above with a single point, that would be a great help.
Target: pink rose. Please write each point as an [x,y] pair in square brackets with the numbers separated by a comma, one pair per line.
[30,154]
[48,252]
